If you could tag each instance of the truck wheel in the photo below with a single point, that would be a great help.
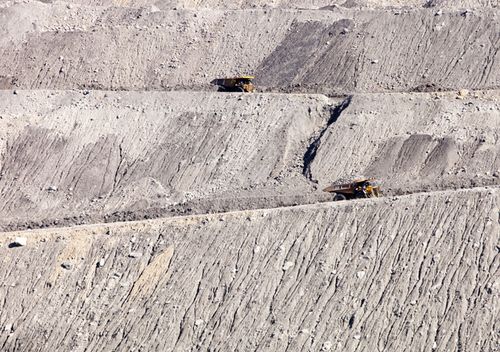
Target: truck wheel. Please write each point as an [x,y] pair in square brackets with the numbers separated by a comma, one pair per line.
[339,196]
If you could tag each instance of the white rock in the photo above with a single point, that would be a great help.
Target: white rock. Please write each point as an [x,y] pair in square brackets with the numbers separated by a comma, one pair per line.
[198,322]
[360,274]
[135,254]
[288,265]
[463,92]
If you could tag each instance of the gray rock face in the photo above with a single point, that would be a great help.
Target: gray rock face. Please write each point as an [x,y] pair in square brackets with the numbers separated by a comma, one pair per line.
[140,50]
[166,149]
[141,210]
[320,53]
[427,260]
[412,142]
[184,152]
[154,5]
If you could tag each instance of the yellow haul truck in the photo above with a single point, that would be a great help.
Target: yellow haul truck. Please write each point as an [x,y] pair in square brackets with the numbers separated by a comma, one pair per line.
[235,84]
[363,188]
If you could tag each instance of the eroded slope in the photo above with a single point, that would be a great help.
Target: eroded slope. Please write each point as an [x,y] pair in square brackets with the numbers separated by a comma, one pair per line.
[301,4]
[331,51]
[388,51]
[419,273]
[413,142]
[67,154]
[73,157]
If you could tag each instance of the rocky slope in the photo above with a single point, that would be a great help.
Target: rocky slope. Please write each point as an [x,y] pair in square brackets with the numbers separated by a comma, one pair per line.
[332,51]
[287,4]
[66,154]
[413,142]
[107,119]
[419,273]
[73,157]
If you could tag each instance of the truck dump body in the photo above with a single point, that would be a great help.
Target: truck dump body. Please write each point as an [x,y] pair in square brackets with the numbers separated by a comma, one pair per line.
[235,84]
[364,188]
[343,188]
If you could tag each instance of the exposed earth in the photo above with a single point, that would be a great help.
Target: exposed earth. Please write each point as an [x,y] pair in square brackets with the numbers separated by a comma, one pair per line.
[142,210]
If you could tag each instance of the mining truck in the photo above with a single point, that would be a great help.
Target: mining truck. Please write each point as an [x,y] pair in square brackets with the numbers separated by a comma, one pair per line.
[362,188]
[235,84]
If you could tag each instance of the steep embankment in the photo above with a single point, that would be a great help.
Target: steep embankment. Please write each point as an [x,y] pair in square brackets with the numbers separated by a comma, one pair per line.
[73,157]
[388,51]
[331,51]
[287,4]
[413,142]
[84,156]
[416,273]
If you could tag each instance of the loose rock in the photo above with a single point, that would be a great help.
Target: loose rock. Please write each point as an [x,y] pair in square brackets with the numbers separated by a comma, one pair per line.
[288,265]
[20,242]
[463,93]
[327,346]
[66,265]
